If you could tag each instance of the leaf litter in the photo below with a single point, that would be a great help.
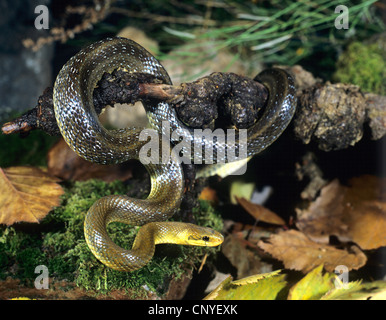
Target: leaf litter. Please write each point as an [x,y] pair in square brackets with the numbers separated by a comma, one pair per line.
[27,194]
[356,213]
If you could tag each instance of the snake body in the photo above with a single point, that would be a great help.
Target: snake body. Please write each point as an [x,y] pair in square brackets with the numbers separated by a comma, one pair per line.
[81,129]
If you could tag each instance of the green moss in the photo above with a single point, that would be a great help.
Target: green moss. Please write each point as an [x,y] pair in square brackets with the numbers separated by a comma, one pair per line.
[363,65]
[27,260]
[207,216]
[20,253]
[58,242]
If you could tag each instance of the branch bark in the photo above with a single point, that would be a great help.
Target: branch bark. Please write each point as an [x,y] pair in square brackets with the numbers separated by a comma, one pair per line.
[197,103]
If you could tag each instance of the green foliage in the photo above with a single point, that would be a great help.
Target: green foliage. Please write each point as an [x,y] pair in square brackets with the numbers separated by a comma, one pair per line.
[281,32]
[207,216]
[58,242]
[271,32]
[363,65]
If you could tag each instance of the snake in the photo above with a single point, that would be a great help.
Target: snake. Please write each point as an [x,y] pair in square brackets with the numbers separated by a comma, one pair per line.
[83,132]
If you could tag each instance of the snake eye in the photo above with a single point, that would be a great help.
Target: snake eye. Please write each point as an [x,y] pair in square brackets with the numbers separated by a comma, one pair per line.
[205,238]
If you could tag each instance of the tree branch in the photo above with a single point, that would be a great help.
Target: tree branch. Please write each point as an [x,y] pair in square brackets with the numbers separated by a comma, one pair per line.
[196,102]
[331,115]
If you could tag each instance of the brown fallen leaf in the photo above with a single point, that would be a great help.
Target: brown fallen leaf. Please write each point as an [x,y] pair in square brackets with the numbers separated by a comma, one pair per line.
[354,213]
[64,163]
[208,194]
[298,252]
[242,256]
[259,212]
[249,235]
[27,194]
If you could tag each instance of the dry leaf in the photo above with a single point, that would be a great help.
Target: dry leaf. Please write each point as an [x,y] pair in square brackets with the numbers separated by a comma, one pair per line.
[64,163]
[208,194]
[259,212]
[298,252]
[27,194]
[356,213]
[251,234]
[244,259]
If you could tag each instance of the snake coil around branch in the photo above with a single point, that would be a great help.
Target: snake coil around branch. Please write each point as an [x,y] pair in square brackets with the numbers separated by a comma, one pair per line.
[80,127]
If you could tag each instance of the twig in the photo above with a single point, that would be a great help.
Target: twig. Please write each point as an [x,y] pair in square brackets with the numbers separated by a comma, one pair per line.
[156,18]
[91,16]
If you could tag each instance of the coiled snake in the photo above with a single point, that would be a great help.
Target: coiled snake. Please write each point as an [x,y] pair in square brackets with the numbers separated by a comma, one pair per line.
[81,129]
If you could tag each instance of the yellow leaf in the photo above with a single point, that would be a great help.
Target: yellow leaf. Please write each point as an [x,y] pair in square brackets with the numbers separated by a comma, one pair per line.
[359,291]
[27,194]
[258,287]
[231,168]
[255,278]
[346,292]
[213,295]
[241,189]
[313,286]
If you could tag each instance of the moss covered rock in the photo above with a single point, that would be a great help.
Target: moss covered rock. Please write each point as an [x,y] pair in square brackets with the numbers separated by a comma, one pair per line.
[363,65]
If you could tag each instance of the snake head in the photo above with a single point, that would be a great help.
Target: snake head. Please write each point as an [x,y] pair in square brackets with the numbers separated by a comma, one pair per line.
[202,236]
[182,233]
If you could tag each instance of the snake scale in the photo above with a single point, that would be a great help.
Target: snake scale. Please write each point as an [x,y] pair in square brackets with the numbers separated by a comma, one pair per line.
[83,132]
